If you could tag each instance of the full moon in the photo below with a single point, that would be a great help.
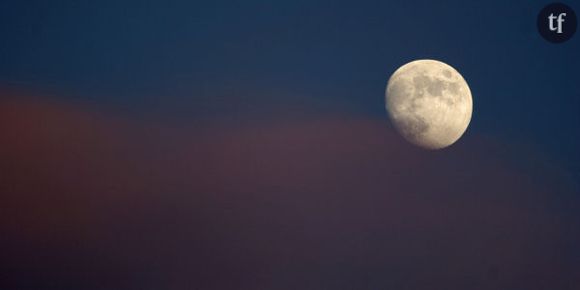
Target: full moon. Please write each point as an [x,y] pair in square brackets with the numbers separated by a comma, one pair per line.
[429,103]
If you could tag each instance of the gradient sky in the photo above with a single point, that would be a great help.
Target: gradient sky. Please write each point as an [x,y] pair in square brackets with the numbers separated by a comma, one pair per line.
[245,145]
[226,58]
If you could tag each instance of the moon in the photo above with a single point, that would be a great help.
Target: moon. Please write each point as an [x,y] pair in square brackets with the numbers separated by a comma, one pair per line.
[429,103]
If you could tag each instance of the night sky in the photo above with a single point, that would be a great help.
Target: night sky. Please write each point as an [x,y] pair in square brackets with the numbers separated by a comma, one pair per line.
[245,145]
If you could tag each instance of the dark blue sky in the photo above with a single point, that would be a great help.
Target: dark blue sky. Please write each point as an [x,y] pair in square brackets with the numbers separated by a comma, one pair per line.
[193,58]
[499,207]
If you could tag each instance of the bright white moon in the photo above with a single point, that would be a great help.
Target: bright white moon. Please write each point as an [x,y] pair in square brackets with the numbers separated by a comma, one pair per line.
[429,103]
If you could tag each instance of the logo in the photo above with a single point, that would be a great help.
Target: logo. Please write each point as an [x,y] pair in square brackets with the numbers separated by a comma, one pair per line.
[557,22]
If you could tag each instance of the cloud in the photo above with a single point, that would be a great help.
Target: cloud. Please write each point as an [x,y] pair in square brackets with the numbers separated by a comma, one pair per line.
[92,201]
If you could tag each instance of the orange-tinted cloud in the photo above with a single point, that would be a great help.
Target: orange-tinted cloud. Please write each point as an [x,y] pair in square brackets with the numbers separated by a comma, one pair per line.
[91,200]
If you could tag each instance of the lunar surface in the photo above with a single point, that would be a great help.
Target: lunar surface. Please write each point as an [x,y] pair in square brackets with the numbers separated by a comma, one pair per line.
[429,103]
